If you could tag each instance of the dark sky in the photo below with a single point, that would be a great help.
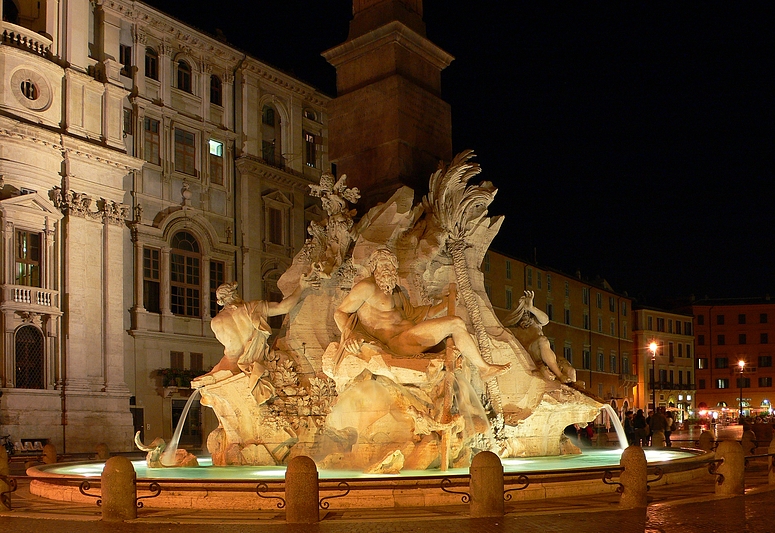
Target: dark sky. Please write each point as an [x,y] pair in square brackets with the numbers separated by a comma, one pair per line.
[630,140]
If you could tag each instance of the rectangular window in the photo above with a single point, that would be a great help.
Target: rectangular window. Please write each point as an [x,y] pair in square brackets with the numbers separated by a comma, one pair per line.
[722,383]
[125,58]
[625,365]
[185,152]
[671,351]
[27,271]
[765,361]
[197,362]
[721,340]
[585,319]
[548,283]
[669,326]
[764,338]
[763,318]
[508,269]
[151,280]
[613,328]
[720,320]
[600,324]
[687,328]
[275,226]
[624,308]
[567,352]
[702,363]
[680,350]
[700,340]
[660,324]
[550,311]
[585,295]
[650,323]
[688,378]
[688,350]
[599,300]
[765,382]
[176,360]
[741,318]
[722,362]
[151,64]
[567,289]
[743,383]
[700,320]
[611,304]
[310,150]
[185,285]
[530,277]
[567,316]
[127,128]
[586,360]
[151,141]
[508,299]
[613,364]
[217,278]
[216,162]
[538,279]
[680,378]
[741,338]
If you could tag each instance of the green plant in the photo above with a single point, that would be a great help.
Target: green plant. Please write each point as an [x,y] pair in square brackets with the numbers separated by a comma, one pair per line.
[178,377]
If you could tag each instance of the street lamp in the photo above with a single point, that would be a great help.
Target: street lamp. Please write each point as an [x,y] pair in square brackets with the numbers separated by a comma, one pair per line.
[741,364]
[653,349]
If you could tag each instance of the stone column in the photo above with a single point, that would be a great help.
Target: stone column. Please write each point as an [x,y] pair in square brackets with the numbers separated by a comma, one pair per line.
[771,463]
[733,469]
[119,490]
[633,478]
[302,494]
[706,441]
[486,485]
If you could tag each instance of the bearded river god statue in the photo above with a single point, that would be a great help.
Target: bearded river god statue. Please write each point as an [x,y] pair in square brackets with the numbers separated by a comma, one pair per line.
[392,357]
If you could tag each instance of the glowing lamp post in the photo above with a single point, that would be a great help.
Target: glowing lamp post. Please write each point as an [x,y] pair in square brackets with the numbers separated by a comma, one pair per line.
[741,364]
[653,350]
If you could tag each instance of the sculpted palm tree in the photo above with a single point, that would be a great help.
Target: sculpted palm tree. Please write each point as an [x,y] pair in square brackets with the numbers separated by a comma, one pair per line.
[458,208]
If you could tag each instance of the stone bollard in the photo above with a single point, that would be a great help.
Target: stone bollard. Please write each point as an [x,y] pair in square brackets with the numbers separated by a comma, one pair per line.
[49,454]
[119,490]
[486,485]
[302,493]
[748,442]
[5,470]
[633,478]
[771,462]
[706,441]
[733,469]
[658,439]
[103,454]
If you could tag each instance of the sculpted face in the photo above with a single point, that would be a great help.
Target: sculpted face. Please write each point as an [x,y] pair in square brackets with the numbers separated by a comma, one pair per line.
[226,293]
[384,266]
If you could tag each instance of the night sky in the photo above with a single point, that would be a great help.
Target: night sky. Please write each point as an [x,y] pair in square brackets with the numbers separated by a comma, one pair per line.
[629,140]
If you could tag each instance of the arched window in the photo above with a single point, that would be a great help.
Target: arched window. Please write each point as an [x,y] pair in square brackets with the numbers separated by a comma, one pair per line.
[29,358]
[184,76]
[271,136]
[215,90]
[151,64]
[185,275]
[10,12]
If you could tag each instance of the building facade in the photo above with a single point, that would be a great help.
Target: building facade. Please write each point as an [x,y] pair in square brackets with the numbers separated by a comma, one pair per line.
[665,376]
[730,332]
[590,324]
[143,163]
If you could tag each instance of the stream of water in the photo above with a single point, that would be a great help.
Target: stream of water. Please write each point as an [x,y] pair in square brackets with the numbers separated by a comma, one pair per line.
[168,457]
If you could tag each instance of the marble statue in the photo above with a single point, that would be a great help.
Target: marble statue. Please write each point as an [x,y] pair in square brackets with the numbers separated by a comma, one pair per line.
[156,449]
[243,330]
[528,322]
[376,309]
[378,369]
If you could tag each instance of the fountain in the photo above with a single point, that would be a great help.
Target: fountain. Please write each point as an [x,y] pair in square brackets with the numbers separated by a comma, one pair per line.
[391,361]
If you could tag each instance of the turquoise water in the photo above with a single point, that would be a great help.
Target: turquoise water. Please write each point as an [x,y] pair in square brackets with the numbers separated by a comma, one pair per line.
[589,459]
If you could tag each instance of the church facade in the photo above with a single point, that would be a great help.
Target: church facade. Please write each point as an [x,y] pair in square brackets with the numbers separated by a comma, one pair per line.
[143,163]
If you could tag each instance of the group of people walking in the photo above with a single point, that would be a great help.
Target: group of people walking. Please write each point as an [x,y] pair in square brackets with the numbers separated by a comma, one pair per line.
[652,430]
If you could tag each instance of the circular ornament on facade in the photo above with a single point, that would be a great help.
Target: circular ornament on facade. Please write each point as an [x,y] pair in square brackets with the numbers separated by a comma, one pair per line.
[31,89]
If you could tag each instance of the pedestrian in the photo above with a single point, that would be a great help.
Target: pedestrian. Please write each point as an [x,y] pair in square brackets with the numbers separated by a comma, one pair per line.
[642,429]
[629,429]
[670,428]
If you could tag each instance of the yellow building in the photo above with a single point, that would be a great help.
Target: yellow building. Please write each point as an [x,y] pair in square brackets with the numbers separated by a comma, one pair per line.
[590,323]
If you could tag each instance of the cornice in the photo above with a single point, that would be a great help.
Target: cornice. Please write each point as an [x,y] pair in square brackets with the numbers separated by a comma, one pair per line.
[262,170]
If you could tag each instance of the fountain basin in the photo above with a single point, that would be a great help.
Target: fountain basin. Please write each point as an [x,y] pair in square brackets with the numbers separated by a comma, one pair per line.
[225,487]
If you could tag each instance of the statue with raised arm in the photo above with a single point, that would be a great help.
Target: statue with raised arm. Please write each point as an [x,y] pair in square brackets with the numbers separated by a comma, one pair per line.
[377,309]
[528,323]
[243,330]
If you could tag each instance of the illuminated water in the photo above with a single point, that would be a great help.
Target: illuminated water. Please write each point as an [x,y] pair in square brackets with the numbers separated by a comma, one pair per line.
[168,457]
[591,458]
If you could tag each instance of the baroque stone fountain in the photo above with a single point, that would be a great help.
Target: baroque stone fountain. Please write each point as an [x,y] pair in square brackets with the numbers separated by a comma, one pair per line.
[391,356]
